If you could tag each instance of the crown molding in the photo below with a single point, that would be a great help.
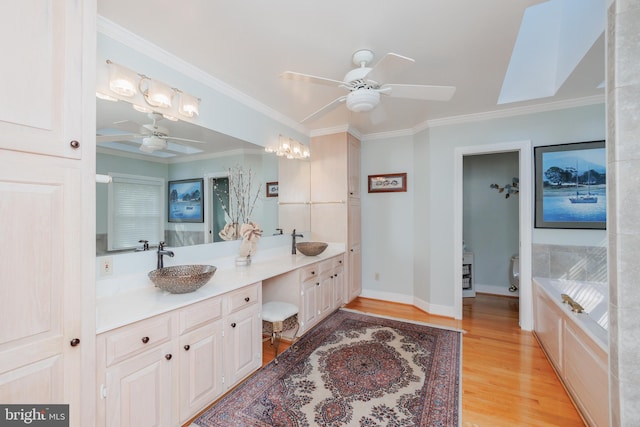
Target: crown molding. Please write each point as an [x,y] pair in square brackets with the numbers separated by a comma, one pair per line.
[511,112]
[126,37]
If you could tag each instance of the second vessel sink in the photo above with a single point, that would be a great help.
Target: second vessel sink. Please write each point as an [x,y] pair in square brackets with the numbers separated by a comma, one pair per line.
[181,279]
[311,248]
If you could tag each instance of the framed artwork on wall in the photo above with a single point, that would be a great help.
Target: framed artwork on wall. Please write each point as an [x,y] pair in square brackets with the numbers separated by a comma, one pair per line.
[185,200]
[571,186]
[272,189]
[386,183]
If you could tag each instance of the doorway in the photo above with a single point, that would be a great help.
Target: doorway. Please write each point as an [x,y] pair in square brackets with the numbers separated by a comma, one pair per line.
[523,148]
[490,228]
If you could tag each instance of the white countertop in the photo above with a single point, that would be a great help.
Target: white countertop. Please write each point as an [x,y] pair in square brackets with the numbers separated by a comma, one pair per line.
[129,298]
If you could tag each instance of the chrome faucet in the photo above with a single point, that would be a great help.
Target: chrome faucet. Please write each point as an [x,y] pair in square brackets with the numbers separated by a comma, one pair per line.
[162,251]
[293,241]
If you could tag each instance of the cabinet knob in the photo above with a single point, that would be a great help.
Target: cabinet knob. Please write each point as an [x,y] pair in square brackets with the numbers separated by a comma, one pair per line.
[313,272]
[317,283]
[74,342]
[247,299]
[168,356]
[145,340]
[187,347]
[74,144]
[331,277]
[233,325]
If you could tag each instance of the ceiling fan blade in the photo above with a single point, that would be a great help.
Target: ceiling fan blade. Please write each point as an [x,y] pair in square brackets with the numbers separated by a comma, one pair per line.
[183,139]
[114,138]
[426,92]
[388,67]
[307,78]
[324,110]
[128,126]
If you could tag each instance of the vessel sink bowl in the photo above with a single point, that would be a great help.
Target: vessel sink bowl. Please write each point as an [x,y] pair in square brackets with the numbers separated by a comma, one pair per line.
[311,248]
[181,279]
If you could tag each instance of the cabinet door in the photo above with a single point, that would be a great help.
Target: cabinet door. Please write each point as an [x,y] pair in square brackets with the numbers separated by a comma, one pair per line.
[338,286]
[243,354]
[42,87]
[354,166]
[548,327]
[139,390]
[309,313]
[354,283]
[329,168]
[325,297]
[40,284]
[201,369]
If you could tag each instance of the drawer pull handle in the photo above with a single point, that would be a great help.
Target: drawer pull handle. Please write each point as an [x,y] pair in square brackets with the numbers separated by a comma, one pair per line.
[233,325]
[247,299]
[74,144]
[187,347]
[145,340]
[74,342]
[168,356]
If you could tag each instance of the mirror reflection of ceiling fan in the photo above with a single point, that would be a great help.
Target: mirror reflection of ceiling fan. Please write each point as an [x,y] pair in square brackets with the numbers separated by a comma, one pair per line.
[365,85]
[154,137]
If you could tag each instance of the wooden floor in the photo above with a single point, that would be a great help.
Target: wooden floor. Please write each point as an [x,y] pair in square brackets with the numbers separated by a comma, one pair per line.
[506,378]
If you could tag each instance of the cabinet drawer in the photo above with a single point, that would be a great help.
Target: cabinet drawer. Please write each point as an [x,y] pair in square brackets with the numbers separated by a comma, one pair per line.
[131,339]
[200,313]
[243,297]
[309,272]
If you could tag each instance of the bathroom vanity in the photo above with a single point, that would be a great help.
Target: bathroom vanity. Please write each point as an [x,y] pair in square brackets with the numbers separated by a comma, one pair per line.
[162,358]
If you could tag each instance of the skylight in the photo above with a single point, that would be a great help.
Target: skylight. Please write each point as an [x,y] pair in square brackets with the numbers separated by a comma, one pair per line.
[553,39]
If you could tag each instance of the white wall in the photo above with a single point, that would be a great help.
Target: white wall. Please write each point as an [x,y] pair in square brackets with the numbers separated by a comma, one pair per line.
[387,222]
[431,153]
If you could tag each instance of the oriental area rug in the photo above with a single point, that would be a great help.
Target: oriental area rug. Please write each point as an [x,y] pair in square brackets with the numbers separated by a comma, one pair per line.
[352,370]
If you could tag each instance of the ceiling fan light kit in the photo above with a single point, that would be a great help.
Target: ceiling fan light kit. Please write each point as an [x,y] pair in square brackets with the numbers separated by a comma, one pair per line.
[126,83]
[363,100]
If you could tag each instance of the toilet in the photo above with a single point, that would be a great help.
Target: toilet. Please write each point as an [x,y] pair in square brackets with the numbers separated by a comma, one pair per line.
[514,273]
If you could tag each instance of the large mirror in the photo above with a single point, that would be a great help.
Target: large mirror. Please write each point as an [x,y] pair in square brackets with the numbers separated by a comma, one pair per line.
[191,152]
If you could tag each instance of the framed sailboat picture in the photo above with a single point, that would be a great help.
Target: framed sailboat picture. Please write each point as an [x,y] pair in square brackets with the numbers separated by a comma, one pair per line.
[571,185]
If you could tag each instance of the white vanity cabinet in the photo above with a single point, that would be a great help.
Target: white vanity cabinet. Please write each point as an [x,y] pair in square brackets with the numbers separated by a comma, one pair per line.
[163,370]
[317,289]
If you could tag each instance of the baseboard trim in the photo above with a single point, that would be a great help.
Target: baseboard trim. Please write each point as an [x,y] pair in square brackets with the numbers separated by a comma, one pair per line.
[435,309]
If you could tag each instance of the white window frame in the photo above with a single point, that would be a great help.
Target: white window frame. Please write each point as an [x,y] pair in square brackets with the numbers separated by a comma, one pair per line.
[118,178]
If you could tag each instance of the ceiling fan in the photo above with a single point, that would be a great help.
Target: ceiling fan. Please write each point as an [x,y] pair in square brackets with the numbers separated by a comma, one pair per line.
[154,137]
[365,84]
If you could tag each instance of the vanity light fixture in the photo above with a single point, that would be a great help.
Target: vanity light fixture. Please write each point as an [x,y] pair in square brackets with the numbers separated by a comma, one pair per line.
[289,148]
[157,95]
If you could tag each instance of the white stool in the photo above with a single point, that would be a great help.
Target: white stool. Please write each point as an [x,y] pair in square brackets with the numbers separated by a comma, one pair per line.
[278,316]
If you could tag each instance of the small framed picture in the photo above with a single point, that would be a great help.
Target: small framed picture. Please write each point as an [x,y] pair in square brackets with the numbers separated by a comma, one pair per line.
[386,183]
[272,189]
[185,201]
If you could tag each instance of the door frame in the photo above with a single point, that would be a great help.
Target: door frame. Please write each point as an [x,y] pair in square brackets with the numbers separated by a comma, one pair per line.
[525,162]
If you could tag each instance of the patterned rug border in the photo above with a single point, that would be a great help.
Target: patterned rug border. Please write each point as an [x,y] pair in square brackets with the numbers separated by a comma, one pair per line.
[400,319]
[319,332]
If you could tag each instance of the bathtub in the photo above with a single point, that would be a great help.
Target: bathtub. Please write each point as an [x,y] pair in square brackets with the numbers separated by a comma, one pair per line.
[576,344]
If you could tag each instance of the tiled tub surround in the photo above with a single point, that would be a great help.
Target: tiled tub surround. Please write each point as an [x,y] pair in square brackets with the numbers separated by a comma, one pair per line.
[585,263]
[131,296]
[576,344]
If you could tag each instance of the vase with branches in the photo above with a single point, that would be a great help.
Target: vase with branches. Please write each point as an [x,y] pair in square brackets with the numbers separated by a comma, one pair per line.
[238,203]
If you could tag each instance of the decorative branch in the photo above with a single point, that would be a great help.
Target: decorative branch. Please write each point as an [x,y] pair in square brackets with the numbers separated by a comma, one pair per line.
[510,188]
[241,200]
